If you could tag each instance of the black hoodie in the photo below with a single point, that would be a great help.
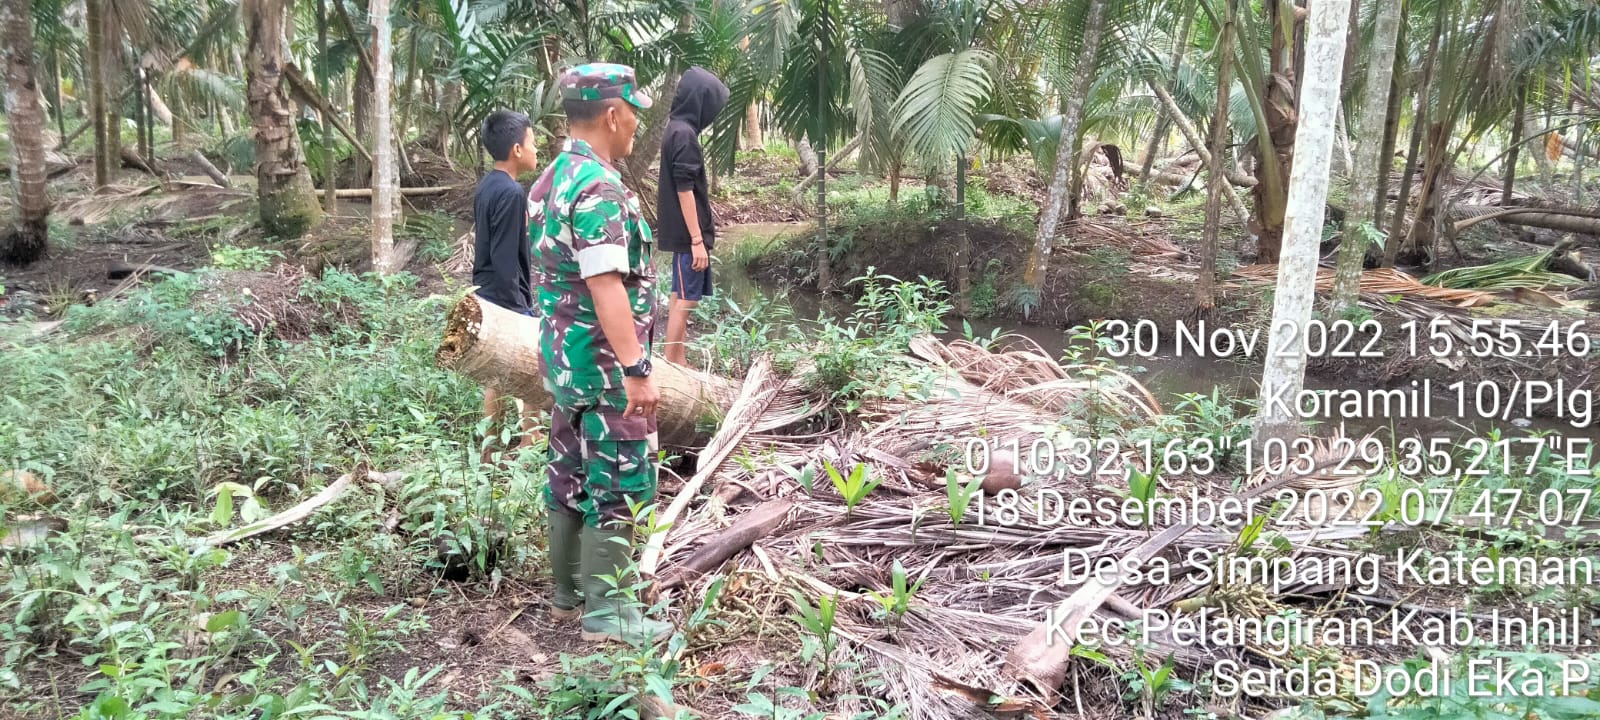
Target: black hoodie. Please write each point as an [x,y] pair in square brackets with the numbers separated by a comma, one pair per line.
[699,98]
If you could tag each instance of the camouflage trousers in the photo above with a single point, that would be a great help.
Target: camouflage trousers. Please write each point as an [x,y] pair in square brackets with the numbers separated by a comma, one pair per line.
[600,461]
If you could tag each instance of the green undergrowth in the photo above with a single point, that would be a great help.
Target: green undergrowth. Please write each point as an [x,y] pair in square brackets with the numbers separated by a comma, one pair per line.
[157,420]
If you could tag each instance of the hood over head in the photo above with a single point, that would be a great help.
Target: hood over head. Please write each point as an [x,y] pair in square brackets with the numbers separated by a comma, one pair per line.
[700,96]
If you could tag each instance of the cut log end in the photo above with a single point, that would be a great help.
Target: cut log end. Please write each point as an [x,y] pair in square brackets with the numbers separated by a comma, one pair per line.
[460,332]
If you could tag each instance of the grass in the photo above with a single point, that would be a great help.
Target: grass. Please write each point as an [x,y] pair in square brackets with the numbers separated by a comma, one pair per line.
[132,416]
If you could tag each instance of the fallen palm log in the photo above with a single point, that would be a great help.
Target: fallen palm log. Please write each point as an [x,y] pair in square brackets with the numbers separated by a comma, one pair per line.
[210,170]
[344,193]
[766,519]
[500,349]
[1572,220]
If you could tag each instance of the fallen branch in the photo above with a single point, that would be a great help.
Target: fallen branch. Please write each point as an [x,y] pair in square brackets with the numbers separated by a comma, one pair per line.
[800,188]
[408,192]
[764,520]
[211,171]
[119,270]
[132,159]
[754,397]
[1041,659]
[307,93]
[301,511]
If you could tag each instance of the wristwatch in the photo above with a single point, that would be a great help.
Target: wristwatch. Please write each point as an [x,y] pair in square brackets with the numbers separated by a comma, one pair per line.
[639,369]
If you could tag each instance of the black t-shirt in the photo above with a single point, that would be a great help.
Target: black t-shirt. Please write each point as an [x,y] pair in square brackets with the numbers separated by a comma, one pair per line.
[502,261]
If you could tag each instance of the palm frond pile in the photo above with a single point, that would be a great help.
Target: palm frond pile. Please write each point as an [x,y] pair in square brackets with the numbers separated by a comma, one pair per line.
[988,576]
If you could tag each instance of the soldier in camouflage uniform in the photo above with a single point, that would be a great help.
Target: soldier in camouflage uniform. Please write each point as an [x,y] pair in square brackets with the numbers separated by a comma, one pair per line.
[596,290]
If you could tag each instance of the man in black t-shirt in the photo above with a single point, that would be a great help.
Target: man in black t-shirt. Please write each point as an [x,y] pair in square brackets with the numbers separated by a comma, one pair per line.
[684,202]
[502,262]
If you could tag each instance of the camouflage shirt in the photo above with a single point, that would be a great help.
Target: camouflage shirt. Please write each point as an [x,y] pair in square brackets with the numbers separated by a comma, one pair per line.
[583,222]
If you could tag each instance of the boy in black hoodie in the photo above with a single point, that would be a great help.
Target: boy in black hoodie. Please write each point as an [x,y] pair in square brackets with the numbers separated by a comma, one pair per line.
[684,202]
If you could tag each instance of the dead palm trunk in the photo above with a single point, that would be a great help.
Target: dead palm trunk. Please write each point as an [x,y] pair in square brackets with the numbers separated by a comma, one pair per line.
[1284,373]
[1359,232]
[287,199]
[29,240]
[1038,265]
[1205,293]
[387,255]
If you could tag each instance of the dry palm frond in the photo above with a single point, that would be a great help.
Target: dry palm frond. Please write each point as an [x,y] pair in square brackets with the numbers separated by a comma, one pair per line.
[460,262]
[1027,373]
[1380,282]
[984,585]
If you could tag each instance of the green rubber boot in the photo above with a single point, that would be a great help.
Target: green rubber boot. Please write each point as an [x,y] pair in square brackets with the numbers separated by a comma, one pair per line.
[612,618]
[565,565]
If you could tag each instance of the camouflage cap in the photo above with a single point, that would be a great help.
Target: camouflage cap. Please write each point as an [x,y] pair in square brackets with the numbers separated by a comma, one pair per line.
[599,81]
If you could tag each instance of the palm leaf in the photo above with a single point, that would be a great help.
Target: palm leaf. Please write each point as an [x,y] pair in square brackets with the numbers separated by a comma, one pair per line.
[936,112]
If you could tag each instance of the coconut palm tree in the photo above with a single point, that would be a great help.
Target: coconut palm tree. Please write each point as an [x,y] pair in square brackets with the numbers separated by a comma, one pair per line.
[29,238]
[1359,232]
[1284,373]
[287,200]
[817,61]
[1039,259]
[936,114]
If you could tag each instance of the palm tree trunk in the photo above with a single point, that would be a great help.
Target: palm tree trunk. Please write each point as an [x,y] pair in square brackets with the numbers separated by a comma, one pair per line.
[1541,152]
[61,108]
[963,258]
[287,199]
[330,175]
[1284,372]
[1420,118]
[94,12]
[808,157]
[111,73]
[1578,137]
[647,149]
[1391,128]
[141,125]
[1358,229]
[1271,205]
[895,170]
[752,127]
[388,257]
[1164,121]
[29,239]
[825,249]
[1038,265]
[1515,153]
[1205,292]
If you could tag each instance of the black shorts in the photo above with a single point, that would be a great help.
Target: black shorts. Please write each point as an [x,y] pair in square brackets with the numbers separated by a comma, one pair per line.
[687,282]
